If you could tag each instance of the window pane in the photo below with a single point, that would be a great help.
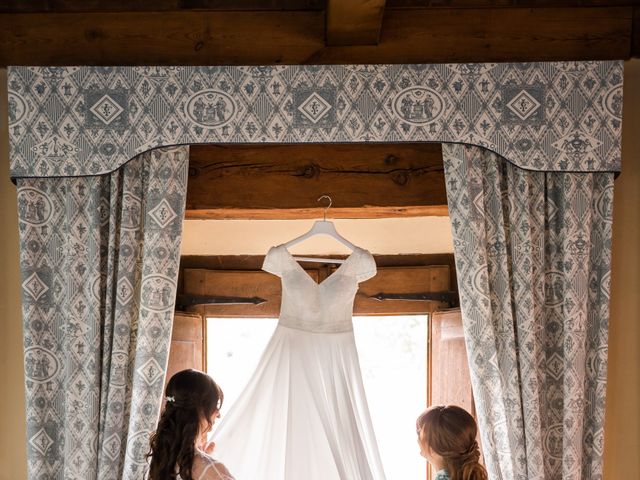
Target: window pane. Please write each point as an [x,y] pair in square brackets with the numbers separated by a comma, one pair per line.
[234,347]
[393,359]
[392,352]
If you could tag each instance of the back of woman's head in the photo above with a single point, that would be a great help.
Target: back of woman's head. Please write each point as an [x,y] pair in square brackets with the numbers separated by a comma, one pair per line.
[450,432]
[192,400]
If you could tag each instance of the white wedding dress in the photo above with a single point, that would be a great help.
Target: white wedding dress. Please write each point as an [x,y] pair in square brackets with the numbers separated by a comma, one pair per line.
[304,415]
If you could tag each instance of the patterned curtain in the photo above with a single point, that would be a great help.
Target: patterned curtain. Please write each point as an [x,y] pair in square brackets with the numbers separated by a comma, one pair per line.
[533,260]
[99,261]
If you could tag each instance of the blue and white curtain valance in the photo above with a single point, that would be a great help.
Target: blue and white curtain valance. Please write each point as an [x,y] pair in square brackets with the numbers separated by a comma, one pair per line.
[72,121]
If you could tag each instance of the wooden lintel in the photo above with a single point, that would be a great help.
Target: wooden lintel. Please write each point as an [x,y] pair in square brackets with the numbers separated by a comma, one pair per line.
[254,262]
[285,181]
[422,35]
[401,280]
[305,213]
[354,22]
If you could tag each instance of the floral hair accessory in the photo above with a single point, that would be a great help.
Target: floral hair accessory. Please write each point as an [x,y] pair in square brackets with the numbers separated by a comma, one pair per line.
[171,399]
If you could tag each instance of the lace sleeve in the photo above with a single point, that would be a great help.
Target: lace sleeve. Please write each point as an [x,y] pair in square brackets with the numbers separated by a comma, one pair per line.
[206,468]
[216,471]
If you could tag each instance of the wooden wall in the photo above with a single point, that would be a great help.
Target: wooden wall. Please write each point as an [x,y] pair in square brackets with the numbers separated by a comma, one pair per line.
[200,32]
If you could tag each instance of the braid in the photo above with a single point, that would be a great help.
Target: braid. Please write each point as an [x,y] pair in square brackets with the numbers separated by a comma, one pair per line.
[465,465]
[451,432]
[469,461]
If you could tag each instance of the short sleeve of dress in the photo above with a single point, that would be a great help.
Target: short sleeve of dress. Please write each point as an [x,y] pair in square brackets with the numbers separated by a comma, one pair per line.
[366,267]
[273,262]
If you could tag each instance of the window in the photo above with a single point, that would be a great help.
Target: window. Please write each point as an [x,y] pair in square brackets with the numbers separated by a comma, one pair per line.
[393,360]
[412,353]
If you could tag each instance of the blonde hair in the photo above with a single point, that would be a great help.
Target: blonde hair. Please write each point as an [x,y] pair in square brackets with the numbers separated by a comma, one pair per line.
[451,432]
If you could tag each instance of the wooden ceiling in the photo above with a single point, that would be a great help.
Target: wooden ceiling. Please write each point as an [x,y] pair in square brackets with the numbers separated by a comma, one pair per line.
[217,32]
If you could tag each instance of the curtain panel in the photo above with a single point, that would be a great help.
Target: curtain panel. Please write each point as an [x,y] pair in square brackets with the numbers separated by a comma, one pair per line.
[99,262]
[532,254]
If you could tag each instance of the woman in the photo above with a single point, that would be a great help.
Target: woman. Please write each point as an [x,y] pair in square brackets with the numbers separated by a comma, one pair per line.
[447,439]
[179,447]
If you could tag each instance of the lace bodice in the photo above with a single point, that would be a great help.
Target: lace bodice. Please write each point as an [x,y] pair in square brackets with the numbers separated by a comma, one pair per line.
[324,307]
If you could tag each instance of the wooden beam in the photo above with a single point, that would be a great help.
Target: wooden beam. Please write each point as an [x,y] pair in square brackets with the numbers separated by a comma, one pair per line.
[308,213]
[298,37]
[236,284]
[254,262]
[418,4]
[74,6]
[264,285]
[354,22]
[402,280]
[635,39]
[494,35]
[285,181]
[160,38]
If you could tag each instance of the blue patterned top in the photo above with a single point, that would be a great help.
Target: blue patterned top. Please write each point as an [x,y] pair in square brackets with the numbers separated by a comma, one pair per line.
[441,475]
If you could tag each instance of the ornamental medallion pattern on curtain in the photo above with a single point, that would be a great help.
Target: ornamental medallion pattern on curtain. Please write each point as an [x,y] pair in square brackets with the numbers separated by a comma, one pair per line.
[533,260]
[66,121]
[99,261]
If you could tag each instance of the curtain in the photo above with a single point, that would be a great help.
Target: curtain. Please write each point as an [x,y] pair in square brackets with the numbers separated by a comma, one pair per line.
[533,263]
[99,262]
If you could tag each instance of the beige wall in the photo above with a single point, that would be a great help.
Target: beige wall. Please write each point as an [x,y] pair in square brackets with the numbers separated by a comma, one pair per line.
[13,463]
[380,236]
[622,442]
[622,420]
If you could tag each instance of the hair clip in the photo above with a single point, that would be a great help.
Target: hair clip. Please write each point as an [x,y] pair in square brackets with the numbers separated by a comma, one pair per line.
[171,399]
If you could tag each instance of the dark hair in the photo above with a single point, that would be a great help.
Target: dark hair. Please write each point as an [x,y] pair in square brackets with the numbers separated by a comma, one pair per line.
[191,398]
[451,432]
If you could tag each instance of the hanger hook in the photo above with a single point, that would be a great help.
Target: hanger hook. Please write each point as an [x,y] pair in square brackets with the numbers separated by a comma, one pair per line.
[324,216]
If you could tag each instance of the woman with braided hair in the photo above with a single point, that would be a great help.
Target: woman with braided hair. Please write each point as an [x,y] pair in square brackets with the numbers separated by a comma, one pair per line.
[447,439]
[179,446]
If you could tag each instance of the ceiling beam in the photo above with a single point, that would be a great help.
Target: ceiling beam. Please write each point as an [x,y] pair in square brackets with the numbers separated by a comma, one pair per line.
[635,38]
[434,4]
[160,38]
[71,6]
[75,6]
[298,37]
[285,181]
[354,22]
[494,35]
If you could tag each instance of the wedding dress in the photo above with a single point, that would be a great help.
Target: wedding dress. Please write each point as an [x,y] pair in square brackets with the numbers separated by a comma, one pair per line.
[303,414]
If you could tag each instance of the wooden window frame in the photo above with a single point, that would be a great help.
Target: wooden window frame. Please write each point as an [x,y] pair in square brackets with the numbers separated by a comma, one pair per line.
[403,279]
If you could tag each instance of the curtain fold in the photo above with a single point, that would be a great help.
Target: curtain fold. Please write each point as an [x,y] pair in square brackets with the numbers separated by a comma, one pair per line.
[99,261]
[533,256]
